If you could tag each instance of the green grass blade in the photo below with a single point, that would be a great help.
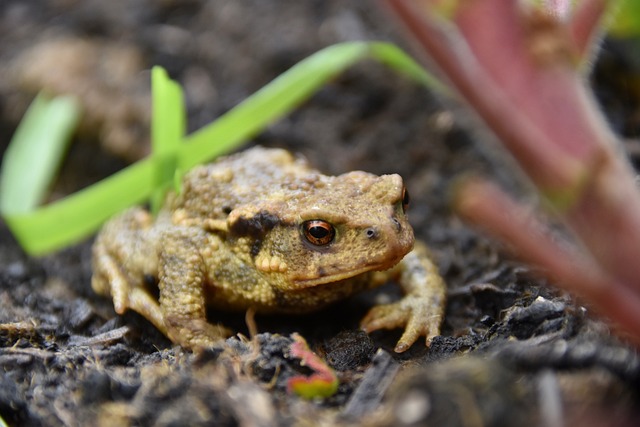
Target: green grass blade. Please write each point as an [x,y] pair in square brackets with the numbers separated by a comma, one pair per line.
[167,130]
[34,155]
[76,216]
[169,118]
[398,60]
[290,89]
[73,218]
[270,103]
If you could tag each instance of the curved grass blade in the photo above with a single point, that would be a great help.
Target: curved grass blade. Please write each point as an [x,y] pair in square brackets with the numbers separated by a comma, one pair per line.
[398,60]
[35,153]
[168,125]
[270,103]
[74,217]
[289,90]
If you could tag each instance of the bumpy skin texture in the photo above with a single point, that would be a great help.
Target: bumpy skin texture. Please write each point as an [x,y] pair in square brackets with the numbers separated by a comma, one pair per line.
[262,229]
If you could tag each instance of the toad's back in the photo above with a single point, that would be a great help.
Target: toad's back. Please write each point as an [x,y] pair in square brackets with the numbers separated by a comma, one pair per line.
[214,190]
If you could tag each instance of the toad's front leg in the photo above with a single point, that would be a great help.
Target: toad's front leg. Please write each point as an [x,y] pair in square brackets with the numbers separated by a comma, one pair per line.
[122,256]
[421,310]
[182,295]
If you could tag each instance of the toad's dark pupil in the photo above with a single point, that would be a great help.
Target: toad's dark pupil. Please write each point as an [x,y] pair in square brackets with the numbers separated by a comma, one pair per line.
[318,232]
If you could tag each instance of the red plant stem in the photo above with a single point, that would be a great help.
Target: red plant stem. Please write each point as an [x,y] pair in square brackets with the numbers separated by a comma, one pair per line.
[559,8]
[584,25]
[562,142]
[523,139]
[487,206]
[529,58]
[607,219]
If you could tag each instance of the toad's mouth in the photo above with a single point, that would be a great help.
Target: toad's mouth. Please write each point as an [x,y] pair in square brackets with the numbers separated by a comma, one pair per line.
[322,276]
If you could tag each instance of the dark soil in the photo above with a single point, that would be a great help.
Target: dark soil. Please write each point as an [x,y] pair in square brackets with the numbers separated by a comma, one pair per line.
[514,350]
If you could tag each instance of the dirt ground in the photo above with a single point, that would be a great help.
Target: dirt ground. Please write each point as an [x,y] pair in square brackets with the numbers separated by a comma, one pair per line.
[514,350]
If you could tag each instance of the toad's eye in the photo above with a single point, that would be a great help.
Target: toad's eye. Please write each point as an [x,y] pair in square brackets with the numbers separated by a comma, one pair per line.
[318,232]
[405,199]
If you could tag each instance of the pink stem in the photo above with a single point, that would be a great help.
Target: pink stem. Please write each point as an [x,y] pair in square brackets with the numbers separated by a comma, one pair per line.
[559,8]
[487,206]
[543,113]
[469,78]
[585,24]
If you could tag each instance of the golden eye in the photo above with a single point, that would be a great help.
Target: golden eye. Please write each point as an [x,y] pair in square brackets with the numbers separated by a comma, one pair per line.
[318,232]
[405,199]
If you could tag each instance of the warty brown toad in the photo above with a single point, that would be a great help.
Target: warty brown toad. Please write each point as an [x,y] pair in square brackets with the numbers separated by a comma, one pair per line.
[262,229]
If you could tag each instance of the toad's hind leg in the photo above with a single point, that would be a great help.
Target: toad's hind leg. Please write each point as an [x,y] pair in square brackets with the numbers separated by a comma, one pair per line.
[117,268]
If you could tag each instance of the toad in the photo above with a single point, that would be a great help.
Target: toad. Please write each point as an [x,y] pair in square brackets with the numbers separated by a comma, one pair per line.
[262,229]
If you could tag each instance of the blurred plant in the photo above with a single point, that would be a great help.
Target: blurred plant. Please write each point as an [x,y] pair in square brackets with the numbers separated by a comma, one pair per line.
[627,22]
[46,120]
[521,66]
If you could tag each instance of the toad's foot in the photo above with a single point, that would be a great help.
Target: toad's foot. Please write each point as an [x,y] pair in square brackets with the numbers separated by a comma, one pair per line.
[195,334]
[421,310]
[413,313]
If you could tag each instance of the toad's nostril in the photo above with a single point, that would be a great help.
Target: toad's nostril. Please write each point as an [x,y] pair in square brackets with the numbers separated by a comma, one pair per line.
[371,233]
[396,223]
